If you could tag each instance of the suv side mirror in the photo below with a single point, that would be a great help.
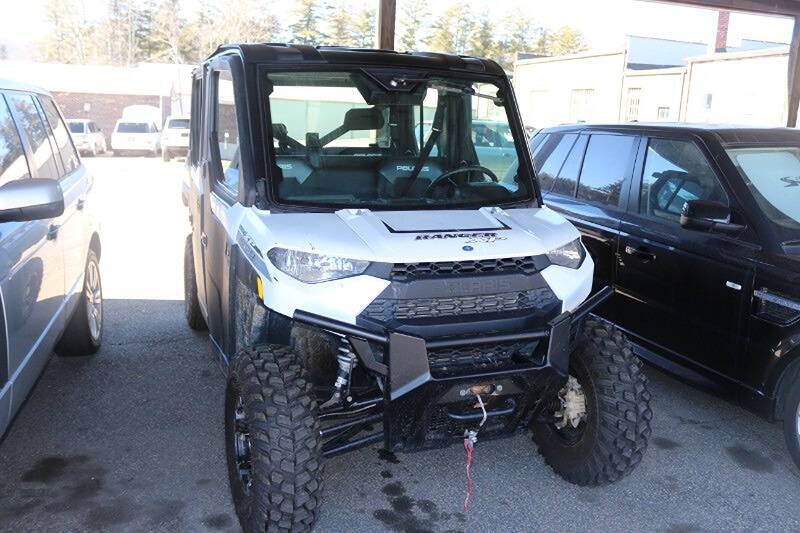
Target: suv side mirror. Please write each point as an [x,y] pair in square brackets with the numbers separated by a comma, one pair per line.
[703,215]
[30,199]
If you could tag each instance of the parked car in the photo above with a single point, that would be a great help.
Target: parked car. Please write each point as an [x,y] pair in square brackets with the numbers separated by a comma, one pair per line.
[698,229]
[87,137]
[132,135]
[368,282]
[50,290]
[175,137]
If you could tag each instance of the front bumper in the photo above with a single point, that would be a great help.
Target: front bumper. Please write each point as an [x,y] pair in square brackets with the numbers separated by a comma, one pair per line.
[424,409]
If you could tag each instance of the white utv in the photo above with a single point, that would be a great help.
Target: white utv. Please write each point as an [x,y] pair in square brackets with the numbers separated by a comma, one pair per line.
[358,271]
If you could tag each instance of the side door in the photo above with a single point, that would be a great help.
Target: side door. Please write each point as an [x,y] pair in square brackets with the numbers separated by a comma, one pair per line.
[32,267]
[13,166]
[74,225]
[683,291]
[221,188]
[588,182]
[194,190]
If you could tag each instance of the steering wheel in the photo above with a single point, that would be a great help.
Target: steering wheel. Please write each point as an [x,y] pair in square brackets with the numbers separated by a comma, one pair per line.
[446,176]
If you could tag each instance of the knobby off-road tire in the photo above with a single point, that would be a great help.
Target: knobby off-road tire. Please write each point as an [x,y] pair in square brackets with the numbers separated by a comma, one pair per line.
[317,353]
[279,413]
[84,332]
[791,420]
[613,437]
[191,305]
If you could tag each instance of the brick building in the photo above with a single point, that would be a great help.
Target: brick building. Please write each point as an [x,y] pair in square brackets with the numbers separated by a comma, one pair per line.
[100,92]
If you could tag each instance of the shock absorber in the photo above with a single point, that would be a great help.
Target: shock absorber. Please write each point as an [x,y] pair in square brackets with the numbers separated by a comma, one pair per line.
[347,361]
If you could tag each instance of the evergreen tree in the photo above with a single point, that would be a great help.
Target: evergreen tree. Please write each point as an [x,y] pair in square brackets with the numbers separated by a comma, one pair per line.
[566,41]
[364,29]
[453,31]
[305,29]
[415,12]
[340,26]
[483,43]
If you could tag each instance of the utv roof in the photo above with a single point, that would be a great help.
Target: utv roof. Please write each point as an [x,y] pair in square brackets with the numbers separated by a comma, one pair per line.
[306,55]
[728,134]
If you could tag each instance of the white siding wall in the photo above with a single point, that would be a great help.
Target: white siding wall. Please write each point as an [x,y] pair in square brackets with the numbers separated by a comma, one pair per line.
[745,90]
[661,90]
[552,92]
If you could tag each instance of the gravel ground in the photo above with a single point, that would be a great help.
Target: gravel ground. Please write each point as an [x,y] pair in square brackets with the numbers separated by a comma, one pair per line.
[131,438]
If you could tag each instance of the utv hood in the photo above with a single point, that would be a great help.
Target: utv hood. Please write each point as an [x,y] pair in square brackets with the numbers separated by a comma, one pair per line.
[419,236]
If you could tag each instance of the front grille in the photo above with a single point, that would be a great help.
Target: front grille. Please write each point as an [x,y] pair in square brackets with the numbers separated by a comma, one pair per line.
[406,271]
[480,358]
[385,309]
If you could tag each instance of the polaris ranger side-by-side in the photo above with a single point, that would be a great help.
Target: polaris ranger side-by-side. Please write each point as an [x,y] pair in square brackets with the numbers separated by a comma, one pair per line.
[370,279]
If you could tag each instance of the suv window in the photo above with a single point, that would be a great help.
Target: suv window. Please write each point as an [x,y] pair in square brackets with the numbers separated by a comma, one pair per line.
[551,156]
[676,171]
[68,154]
[227,131]
[13,165]
[31,123]
[605,167]
[568,175]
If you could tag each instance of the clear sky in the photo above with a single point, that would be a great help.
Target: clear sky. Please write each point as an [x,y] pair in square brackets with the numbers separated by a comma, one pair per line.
[603,23]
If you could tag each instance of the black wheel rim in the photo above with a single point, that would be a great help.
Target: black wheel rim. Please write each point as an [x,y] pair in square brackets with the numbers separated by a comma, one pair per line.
[241,445]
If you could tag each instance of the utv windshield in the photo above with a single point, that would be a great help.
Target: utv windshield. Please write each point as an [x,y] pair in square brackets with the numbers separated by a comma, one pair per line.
[389,140]
[773,176]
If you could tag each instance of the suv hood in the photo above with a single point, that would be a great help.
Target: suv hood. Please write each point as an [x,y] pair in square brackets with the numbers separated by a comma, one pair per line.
[416,236]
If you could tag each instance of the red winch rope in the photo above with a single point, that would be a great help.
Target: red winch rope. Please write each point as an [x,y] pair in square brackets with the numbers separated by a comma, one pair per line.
[468,449]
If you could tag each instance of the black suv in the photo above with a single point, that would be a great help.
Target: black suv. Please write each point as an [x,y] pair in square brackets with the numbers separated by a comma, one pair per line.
[698,230]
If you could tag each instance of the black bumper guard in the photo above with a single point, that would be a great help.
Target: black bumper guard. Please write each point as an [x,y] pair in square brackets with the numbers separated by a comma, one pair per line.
[414,372]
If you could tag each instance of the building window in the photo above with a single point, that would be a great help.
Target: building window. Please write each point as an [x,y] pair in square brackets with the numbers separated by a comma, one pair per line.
[580,104]
[663,113]
[632,109]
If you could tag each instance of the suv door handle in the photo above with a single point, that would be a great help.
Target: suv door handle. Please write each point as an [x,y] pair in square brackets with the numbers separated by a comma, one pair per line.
[641,253]
[52,231]
[203,239]
[81,203]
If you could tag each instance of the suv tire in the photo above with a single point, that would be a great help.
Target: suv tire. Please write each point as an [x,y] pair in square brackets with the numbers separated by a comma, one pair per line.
[84,332]
[191,305]
[791,421]
[613,437]
[272,435]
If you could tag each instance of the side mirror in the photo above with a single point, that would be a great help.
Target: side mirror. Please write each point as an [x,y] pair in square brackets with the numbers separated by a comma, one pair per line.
[30,199]
[703,215]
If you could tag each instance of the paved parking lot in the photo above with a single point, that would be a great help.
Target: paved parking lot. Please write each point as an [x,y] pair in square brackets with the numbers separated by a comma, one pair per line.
[131,438]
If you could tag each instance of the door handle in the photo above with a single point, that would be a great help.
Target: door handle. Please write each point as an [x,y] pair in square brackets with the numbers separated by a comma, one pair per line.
[203,239]
[81,203]
[641,253]
[52,231]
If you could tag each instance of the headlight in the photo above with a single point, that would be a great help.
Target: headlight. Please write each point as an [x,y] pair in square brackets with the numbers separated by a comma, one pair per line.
[570,255]
[314,268]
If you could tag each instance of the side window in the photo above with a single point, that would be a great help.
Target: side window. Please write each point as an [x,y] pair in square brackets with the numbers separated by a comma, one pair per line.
[227,131]
[605,167]
[13,165]
[551,157]
[676,171]
[568,175]
[194,139]
[31,123]
[68,154]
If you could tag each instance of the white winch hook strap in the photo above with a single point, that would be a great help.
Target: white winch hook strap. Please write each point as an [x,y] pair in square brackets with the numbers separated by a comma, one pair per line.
[483,409]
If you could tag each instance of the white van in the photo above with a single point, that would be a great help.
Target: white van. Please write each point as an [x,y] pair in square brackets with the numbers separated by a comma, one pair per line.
[136,135]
